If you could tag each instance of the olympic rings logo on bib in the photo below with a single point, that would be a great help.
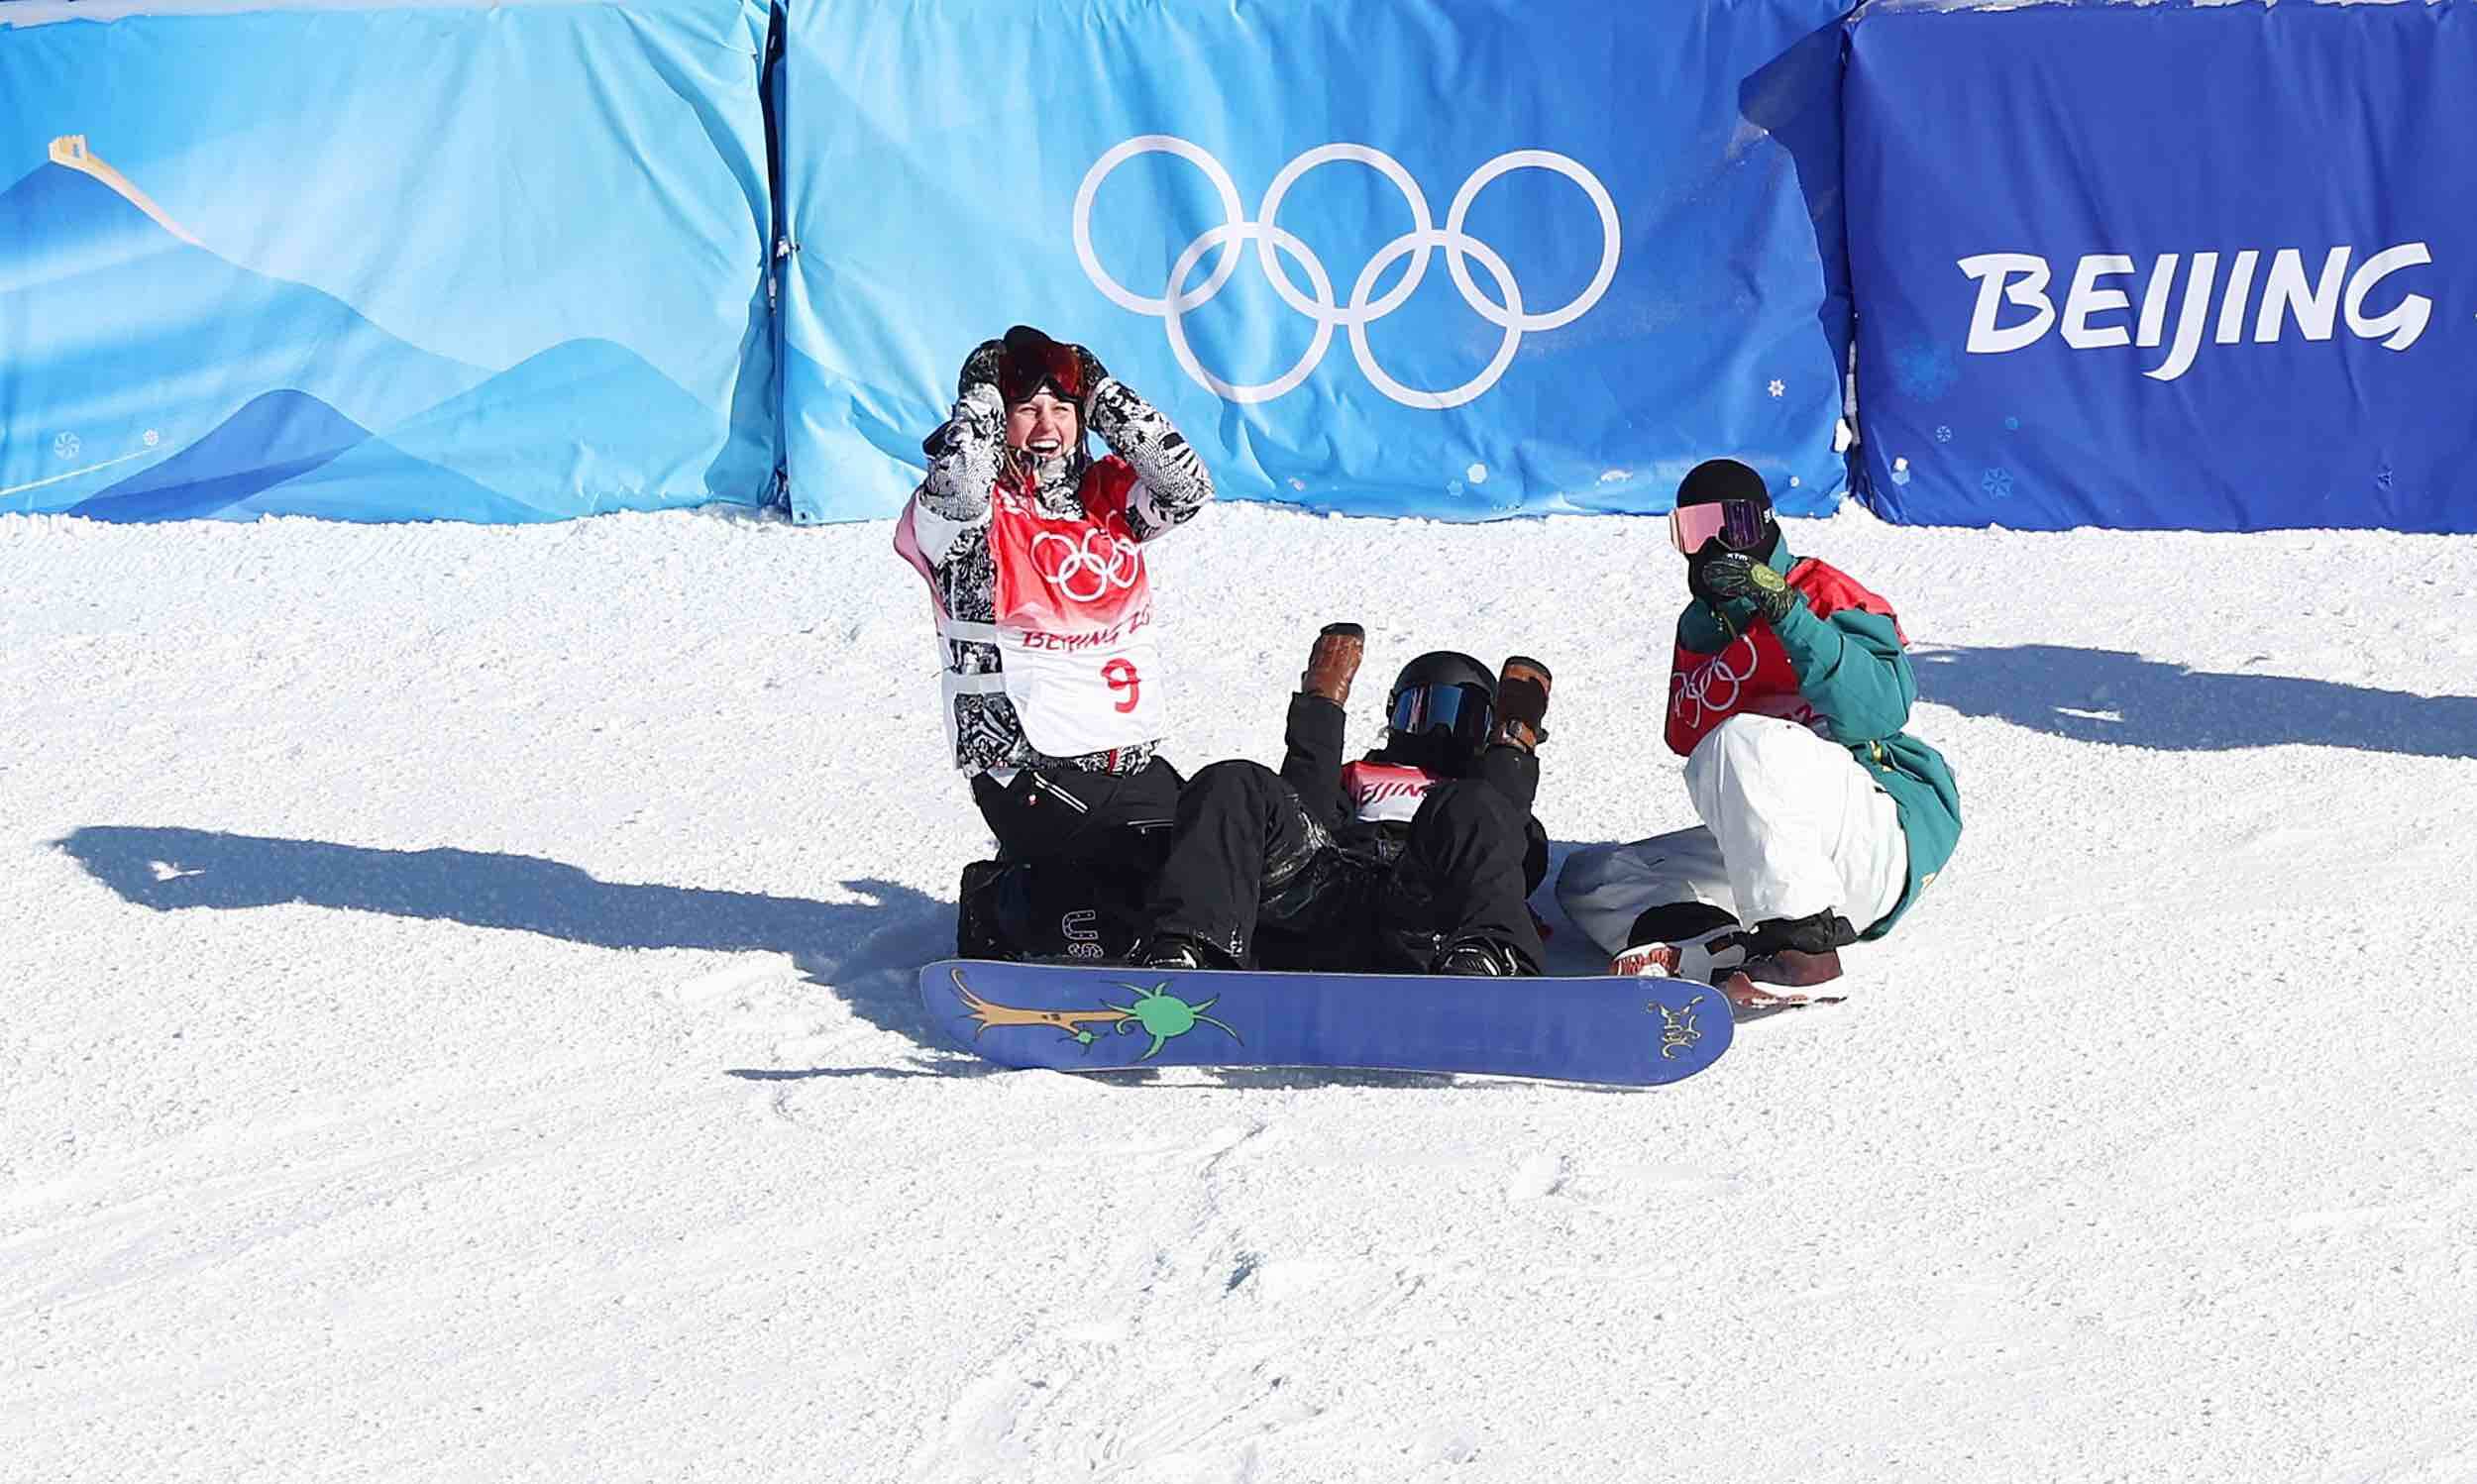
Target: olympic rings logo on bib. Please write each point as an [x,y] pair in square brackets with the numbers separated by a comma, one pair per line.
[1086,570]
[1701,686]
[1417,245]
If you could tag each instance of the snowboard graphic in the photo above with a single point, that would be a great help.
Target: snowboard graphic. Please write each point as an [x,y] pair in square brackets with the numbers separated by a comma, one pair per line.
[1637,1033]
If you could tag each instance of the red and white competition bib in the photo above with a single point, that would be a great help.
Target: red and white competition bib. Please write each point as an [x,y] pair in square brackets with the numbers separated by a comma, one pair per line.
[1074,620]
[1753,674]
[1386,793]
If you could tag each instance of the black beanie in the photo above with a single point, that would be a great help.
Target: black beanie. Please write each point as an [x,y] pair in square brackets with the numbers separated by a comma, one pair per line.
[1716,479]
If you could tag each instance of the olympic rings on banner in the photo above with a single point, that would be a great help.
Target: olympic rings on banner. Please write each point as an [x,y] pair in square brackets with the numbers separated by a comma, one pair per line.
[1272,243]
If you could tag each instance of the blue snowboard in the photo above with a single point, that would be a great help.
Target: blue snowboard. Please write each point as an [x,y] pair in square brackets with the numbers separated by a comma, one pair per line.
[1070,1018]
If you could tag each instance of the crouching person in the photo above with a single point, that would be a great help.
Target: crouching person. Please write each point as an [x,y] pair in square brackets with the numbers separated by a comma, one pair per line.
[1419,858]
[1823,819]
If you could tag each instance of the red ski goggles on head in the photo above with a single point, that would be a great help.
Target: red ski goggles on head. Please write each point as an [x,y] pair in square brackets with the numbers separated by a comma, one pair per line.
[1025,368]
[1741,525]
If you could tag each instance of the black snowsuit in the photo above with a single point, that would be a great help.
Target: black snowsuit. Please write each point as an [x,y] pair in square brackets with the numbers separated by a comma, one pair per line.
[1280,872]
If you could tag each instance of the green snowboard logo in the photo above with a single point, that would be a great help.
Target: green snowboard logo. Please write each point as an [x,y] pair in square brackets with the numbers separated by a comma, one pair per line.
[1156,1010]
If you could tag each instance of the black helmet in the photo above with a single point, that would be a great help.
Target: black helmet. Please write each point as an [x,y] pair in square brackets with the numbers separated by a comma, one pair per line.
[1439,711]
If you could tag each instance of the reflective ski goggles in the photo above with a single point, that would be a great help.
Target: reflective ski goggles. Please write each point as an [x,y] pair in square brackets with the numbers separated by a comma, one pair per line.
[1741,525]
[1461,712]
[1054,365]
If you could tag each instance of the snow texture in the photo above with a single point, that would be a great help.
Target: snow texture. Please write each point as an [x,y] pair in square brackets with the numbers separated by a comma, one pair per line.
[460,1025]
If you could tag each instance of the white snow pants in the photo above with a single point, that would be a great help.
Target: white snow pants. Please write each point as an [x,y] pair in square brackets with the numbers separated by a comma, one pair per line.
[1792,825]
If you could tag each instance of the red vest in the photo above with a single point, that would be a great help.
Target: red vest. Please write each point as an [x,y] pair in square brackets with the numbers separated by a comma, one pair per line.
[1069,575]
[1072,622]
[1752,674]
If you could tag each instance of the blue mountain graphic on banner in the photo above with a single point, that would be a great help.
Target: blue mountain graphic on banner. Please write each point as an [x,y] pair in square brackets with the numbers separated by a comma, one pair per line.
[120,326]
[277,436]
[274,457]
[375,481]
[586,425]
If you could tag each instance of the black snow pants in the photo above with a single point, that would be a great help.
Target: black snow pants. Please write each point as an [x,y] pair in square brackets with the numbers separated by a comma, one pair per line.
[1069,814]
[1076,853]
[1254,871]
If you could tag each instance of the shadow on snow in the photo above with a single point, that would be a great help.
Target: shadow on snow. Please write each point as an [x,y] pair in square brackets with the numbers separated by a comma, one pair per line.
[2110,696]
[864,952]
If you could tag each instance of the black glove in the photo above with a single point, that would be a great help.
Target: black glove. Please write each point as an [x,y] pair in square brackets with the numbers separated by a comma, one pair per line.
[1522,698]
[1742,589]
[981,367]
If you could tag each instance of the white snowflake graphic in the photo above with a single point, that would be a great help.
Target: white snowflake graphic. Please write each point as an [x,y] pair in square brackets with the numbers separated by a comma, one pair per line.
[1778,386]
[153,438]
[67,446]
[1943,434]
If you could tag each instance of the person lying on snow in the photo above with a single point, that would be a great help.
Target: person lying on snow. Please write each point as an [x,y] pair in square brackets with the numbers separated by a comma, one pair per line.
[1419,858]
[1034,554]
[1823,819]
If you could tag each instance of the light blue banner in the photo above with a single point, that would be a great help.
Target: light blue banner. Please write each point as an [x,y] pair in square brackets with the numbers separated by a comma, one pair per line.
[1464,259]
[474,261]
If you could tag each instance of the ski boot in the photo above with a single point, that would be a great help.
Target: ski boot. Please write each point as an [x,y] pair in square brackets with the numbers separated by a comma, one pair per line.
[1483,957]
[1784,957]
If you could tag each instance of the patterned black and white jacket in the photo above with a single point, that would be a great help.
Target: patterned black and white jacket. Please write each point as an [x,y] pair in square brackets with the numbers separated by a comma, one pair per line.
[951,524]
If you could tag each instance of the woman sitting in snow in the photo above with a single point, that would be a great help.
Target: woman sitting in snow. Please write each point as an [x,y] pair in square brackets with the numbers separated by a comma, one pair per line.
[1419,858]
[1823,819]
[1034,553]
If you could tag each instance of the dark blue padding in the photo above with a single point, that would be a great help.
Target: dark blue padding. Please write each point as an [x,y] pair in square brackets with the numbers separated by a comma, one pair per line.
[2318,151]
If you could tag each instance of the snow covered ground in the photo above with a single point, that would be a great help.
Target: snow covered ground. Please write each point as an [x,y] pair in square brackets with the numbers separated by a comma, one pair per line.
[459,1024]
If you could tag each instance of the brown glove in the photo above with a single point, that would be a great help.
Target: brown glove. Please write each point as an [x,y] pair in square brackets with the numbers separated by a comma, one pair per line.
[1334,660]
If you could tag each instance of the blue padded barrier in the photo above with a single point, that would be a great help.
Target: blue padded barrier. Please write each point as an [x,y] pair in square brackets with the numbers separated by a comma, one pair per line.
[2166,265]
[1464,259]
